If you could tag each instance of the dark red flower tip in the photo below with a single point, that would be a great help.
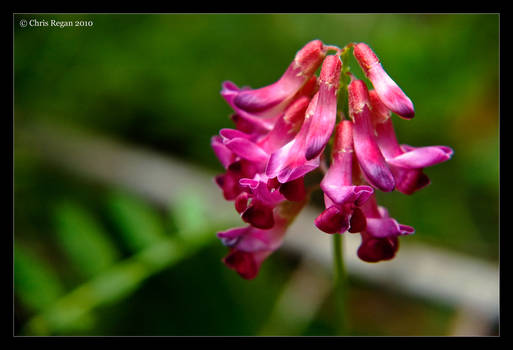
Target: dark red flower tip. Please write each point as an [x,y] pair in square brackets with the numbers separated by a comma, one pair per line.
[358,222]
[294,190]
[241,202]
[259,215]
[410,181]
[229,185]
[332,220]
[378,249]
[273,183]
[242,262]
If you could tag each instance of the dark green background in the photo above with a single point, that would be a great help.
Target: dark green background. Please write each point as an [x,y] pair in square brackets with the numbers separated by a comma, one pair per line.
[154,80]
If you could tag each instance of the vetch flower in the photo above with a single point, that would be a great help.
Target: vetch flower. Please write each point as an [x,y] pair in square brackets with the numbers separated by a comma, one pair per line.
[245,155]
[271,100]
[406,162]
[372,163]
[380,237]
[388,91]
[289,163]
[284,131]
[342,198]
[325,115]
[250,246]
[301,155]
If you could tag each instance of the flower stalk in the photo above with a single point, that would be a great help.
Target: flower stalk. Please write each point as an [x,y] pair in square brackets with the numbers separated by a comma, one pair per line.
[341,285]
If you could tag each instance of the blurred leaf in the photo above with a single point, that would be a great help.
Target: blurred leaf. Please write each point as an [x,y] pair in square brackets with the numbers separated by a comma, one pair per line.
[83,239]
[189,216]
[35,283]
[108,287]
[139,224]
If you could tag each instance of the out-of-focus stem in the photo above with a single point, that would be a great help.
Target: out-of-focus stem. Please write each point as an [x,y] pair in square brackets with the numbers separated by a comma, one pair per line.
[340,286]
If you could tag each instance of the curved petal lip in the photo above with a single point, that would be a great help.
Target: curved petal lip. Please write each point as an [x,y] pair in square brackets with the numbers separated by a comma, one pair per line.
[228,134]
[231,237]
[246,149]
[387,227]
[422,157]
[345,194]
[293,173]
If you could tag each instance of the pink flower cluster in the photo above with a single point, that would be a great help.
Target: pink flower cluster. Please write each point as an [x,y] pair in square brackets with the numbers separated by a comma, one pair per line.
[281,134]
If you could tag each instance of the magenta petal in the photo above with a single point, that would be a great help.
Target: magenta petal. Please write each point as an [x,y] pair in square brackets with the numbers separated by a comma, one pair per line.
[287,126]
[255,239]
[246,264]
[408,181]
[247,149]
[378,249]
[388,91]
[228,134]
[358,222]
[263,194]
[259,215]
[242,119]
[294,190]
[243,262]
[272,99]
[291,173]
[241,202]
[369,156]
[287,164]
[325,115]
[229,91]
[337,183]
[251,183]
[251,125]
[229,183]
[422,157]
[261,100]
[279,159]
[406,230]
[223,153]
[387,227]
[231,236]
[333,220]
[249,239]
[347,194]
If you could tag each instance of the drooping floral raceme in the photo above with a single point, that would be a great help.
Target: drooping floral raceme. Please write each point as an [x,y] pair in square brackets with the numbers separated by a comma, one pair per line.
[289,129]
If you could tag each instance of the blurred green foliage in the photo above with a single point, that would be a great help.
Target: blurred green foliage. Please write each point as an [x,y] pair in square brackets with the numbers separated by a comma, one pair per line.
[154,80]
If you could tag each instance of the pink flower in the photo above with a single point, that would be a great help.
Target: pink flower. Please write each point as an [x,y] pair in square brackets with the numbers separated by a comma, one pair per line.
[325,114]
[289,163]
[388,91]
[257,125]
[245,155]
[281,134]
[406,162]
[301,155]
[244,152]
[342,198]
[380,238]
[371,161]
[250,246]
[271,100]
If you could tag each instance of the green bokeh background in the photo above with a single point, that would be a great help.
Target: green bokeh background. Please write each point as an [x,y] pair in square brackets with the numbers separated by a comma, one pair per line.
[154,80]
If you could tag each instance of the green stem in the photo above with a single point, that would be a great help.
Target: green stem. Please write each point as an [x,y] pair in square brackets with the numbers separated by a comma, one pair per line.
[340,285]
[344,80]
